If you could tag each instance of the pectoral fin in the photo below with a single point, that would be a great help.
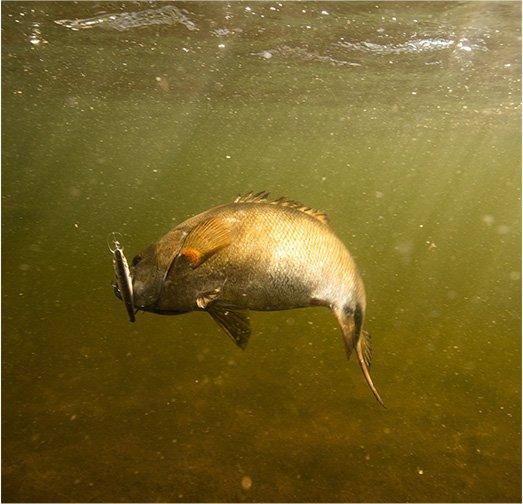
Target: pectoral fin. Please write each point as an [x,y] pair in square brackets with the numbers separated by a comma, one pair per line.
[205,239]
[234,322]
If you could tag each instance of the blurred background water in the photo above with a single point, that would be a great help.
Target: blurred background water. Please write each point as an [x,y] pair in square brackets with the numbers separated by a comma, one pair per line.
[400,120]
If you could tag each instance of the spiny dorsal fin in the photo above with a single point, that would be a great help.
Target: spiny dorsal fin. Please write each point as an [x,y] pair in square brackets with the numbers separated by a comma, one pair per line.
[263,197]
[296,205]
[250,197]
[205,239]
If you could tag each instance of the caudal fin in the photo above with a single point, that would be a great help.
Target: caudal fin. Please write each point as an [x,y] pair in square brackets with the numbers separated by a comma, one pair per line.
[350,322]
[364,352]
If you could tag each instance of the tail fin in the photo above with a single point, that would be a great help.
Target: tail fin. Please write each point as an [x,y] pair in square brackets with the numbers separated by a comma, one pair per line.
[350,322]
[363,350]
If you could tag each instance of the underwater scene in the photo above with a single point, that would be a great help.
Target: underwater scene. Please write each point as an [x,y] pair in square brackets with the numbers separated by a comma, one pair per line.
[400,121]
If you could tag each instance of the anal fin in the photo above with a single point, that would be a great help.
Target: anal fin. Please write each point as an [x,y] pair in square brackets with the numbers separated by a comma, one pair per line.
[234,322]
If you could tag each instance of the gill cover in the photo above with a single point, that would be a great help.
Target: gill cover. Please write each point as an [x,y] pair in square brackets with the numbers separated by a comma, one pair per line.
[150,267]
[193,246]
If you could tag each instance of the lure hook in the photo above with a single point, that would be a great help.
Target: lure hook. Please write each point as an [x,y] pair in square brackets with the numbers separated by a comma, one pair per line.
[114,241]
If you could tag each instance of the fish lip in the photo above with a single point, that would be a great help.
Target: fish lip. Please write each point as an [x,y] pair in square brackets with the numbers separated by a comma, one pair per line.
[116,291]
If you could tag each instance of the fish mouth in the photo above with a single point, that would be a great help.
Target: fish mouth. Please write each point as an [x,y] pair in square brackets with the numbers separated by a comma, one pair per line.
[131,309]
[145,305]
[116,291]
[118,294]
[144,308]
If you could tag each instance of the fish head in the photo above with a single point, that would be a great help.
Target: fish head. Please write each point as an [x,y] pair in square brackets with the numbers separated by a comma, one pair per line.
[147,279]
[149,270]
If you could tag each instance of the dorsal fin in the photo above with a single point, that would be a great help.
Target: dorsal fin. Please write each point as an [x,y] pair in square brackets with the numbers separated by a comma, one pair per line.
[263,197]
[250,197]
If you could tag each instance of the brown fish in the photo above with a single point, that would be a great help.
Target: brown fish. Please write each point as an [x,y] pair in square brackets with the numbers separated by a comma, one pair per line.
[254,254]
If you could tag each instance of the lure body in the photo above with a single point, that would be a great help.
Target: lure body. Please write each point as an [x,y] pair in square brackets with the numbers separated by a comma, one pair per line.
[124,283]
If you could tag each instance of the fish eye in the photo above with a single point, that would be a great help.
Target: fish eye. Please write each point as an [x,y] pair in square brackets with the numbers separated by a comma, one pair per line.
[136,260]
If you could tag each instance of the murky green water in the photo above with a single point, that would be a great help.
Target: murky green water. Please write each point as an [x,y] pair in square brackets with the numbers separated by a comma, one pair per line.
[401,121]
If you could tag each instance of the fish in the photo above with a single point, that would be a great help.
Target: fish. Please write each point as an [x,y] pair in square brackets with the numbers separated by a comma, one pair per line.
[124,285]
[255,254]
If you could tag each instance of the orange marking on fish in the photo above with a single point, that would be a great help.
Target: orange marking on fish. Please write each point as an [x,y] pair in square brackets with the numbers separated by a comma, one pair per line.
[192,255]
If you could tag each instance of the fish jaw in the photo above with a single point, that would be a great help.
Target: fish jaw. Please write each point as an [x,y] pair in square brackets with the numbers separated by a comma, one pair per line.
[150,268]
[146,294]
[116,290]
[151,290]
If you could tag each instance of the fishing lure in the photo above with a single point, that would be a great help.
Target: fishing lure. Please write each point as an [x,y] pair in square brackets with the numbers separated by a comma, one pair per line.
[124,283]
